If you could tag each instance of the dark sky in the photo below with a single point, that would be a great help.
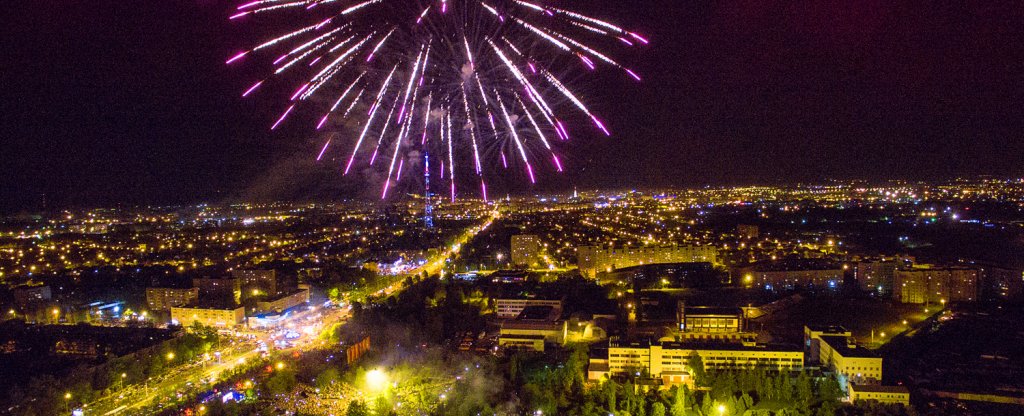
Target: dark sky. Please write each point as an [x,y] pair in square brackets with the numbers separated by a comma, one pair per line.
[114,101]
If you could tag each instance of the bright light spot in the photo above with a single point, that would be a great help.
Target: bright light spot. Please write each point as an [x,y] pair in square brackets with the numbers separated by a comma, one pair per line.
[376,380]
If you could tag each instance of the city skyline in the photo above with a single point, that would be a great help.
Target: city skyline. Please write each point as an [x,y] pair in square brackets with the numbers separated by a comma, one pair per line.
[511,208]
[824,300]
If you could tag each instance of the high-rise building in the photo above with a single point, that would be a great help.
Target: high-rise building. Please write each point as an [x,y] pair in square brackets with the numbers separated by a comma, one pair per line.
[936,285]
[784,274]
[164,298]
[1000,283]
[256,282]
[219,317]
[875,276]
[594,259]
[219,289]
[428,202]
[525,249]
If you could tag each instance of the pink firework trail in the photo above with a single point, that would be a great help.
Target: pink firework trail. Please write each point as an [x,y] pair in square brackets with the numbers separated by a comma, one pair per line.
[251,89]
[283,116]
[368,49]
[321,155]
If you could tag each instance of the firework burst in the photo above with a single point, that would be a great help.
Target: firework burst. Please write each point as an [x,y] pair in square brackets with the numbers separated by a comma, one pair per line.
[446,79]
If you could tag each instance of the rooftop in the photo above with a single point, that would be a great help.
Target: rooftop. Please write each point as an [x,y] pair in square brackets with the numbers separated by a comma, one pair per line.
[874,388]
[690,311]
[841,345]
[828,329]
[708,346]
[522,336]
[539,313]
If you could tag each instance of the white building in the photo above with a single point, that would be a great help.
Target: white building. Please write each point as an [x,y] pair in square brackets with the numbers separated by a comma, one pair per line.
[208,316]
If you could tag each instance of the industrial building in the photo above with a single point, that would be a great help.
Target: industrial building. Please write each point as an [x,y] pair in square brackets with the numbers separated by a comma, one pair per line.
[510,308]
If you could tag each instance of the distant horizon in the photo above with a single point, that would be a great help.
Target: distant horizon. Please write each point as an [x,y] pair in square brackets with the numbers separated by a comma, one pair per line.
[517,194]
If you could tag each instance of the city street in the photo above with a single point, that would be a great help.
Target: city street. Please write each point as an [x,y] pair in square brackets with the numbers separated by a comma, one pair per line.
[308,323]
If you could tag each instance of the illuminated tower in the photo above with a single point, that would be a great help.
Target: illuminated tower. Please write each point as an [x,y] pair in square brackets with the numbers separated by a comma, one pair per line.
[428,203]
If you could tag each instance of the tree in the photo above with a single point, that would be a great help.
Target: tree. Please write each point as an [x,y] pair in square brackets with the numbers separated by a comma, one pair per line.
[745,402]
[577,363]
[327,378]
[829,389]
[281,382]
[827,408]
[803,388]
[696,366]
[657,409]
[357,408]
[609,392]
[706,405]
[679,401]
[784,388]
[629,398]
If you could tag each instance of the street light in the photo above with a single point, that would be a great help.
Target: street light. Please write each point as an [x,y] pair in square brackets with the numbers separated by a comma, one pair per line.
[123,376]
[170,356]
[721,409]
[280,365]
[67,398]
[376,380]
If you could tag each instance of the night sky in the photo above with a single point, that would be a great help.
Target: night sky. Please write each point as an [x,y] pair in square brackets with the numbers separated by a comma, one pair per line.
[129,102]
